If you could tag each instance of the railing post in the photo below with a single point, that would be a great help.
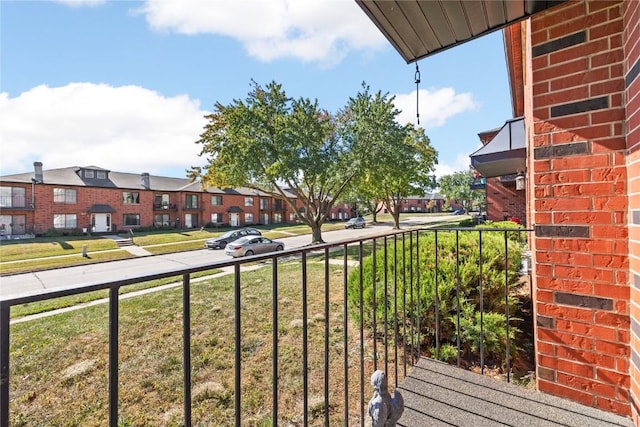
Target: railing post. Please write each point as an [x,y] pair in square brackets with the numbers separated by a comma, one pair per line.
[186,346]
[326,332]
[345,319]
[361,301]
[506,304]
[238,348]
[481,304]
[5,311]
[437,300]
[305,343]
[274,322]
[113,355]
[375,308]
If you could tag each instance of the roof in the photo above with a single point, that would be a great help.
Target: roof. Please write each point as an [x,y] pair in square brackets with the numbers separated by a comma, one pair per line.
[71,176]
[505,154]
[420,28]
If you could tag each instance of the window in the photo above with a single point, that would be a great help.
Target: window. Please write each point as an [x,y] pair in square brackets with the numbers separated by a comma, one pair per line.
[191,201]
[13,197]
[101,175]
[216,218]
[161,220]
[248,218]
[130,197]
[278,205]
[161,201]
[292,217]
[64,195]
[65,221]
[264,203]
[88,173]
[216,200]
[248,201]
[131,219]
[277,218]
[264,218]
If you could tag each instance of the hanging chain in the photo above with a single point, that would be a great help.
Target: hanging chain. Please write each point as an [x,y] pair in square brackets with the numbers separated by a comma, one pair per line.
[417,78]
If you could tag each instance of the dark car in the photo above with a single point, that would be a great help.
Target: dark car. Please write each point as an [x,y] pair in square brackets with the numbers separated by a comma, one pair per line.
[459,212]
[230,236]
[355,223]
[252,245]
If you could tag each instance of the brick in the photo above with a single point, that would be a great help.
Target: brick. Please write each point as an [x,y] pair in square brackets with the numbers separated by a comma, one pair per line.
[585,301]
[580,79]
[566,392]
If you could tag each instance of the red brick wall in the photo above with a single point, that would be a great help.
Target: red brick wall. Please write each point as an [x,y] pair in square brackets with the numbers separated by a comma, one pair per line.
[631,45]
[580,203]
[504,201]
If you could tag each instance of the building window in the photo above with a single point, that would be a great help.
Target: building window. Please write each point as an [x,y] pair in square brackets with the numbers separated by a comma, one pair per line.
[101,175]
[64,195]
[130,197]
[216,218]
[264,218]
[278,205]
[131,219]
[248,201]
[277,218]
[161,201]
[13,197]
[292,217]
[65,221]
[264,203]
[88,173]
[216,200]
[248,218]
[191,201]
[161,220]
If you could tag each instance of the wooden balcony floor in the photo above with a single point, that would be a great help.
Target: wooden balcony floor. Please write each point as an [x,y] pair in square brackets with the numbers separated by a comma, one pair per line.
[437,394]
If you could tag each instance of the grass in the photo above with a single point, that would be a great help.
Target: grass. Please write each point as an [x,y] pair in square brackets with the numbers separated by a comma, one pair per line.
[59,364]
[67,261]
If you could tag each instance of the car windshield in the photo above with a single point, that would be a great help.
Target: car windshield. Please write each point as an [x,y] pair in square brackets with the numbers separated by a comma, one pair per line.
[243,240]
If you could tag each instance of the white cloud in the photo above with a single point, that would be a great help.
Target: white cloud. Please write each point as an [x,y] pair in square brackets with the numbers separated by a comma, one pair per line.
[435,107]
[127,128]
[318,31]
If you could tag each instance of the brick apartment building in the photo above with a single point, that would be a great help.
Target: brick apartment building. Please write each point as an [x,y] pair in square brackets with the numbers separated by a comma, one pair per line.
[574,72]
[96,200]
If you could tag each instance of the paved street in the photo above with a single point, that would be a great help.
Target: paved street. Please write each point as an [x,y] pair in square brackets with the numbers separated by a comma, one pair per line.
[70,277]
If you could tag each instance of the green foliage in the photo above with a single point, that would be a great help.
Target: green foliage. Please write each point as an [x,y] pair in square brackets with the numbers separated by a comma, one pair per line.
[458,187]
[418,276]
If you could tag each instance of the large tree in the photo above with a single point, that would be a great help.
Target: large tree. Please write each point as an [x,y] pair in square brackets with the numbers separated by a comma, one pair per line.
[398,161]
[278,145]
[457,186]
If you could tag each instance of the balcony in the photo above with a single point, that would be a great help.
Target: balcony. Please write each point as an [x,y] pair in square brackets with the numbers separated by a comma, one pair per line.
[311,366]
[165,207]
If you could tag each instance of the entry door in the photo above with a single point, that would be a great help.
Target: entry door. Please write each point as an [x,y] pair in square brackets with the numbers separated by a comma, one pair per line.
[234,220]
[101,222]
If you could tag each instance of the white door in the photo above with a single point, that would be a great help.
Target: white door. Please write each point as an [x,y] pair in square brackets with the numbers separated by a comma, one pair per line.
[234,219]
[187,221]
[101,222]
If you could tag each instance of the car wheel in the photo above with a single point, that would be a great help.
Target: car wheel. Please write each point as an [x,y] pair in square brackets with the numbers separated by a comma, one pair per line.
[280,248]
[248,253]
[222,244]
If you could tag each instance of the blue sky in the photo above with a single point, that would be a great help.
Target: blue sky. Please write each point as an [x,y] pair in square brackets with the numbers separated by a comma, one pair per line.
[124,85]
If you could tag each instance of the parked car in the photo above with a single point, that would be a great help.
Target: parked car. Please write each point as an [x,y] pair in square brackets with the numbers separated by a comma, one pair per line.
[459,212]
[252,245]
[230,236]
[355,223]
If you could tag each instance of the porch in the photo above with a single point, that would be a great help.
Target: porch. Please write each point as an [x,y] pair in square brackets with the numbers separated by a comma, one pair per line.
[439,394]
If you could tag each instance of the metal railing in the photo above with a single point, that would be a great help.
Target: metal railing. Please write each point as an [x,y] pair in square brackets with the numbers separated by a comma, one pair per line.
[377,287]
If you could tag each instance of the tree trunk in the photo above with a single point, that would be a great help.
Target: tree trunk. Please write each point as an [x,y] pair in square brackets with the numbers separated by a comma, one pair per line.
[316,232]
[396,218]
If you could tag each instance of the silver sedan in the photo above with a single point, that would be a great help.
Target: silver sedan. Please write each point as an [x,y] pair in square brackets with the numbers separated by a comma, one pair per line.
[252,245]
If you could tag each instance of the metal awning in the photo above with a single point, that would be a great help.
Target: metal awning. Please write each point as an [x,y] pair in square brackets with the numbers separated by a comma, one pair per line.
[419,28]
[505,154]
[101,208]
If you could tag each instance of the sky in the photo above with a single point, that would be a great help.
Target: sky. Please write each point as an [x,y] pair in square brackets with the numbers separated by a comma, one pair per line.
[125,85]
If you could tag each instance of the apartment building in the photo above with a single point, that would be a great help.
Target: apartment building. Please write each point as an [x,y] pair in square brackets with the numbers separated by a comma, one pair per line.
[92,199]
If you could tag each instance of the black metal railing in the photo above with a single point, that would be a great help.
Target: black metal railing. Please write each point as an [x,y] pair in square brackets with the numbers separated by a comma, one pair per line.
[398,297]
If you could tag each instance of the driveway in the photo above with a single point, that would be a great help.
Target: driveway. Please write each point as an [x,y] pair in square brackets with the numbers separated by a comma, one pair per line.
[71,277]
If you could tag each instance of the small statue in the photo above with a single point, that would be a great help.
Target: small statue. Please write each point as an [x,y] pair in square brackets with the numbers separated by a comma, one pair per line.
[385,410]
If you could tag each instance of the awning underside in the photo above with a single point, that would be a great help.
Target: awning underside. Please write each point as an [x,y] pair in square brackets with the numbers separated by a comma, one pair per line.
[419,28]
[505,154]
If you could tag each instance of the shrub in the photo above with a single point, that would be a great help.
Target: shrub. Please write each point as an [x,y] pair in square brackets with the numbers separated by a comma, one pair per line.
[416,278]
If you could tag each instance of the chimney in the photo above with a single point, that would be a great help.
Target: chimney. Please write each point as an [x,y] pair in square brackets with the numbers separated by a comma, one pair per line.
[145,180]
[37,166]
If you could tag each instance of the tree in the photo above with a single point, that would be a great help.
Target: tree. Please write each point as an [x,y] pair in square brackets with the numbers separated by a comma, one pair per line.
[397,160]
[458,187]
[278,145]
